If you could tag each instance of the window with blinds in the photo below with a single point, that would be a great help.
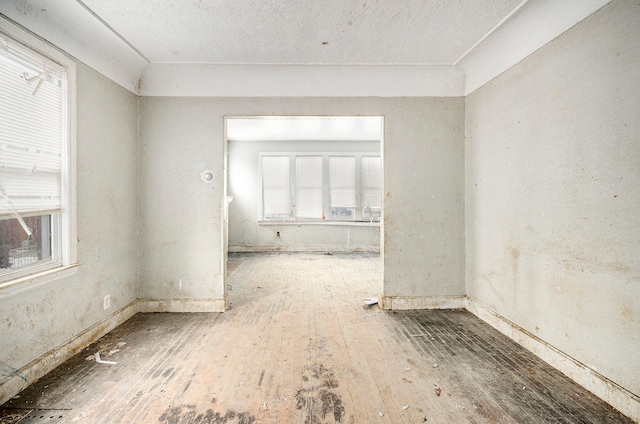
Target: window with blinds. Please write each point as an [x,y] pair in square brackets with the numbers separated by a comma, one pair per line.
[276,198]
[320,187]
[342,187]
[371,187]
[33,149]
[308,187]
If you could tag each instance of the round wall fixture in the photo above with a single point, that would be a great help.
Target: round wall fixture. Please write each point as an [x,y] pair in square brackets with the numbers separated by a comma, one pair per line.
[207,176]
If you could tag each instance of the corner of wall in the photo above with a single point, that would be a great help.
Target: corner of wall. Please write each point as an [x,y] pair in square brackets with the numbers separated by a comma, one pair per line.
[18,380]
[138,217]
[612,393]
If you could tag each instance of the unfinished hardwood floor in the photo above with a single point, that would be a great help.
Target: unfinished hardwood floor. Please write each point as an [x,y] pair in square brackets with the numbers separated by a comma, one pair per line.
[297,346]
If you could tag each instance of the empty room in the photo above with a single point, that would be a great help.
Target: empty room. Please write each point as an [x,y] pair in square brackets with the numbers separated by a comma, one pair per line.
[248,211]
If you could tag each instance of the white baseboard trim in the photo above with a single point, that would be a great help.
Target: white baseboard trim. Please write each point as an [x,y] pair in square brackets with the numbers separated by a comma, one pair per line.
[304,248]
[607,390]
[183,305]
[405,303]
[38,368]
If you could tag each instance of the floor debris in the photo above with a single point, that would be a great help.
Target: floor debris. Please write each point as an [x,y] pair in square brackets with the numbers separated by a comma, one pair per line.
[369,301]
[195,356]
[100,361]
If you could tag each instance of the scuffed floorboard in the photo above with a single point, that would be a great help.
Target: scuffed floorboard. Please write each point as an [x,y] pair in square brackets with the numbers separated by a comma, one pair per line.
[297,346]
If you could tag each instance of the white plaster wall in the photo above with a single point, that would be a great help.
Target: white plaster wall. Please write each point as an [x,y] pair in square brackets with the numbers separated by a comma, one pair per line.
[245,234]
[552,172]
[424,199]
[180,234]
[180,215]
[35,322]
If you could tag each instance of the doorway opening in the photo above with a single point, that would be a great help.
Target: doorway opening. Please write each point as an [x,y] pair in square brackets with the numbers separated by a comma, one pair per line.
[308,184]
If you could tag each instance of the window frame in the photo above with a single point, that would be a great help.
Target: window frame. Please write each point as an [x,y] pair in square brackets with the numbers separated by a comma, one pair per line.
[275,213]
[333,208]
[364,207]
[64,238]
[327,209]
[300,213]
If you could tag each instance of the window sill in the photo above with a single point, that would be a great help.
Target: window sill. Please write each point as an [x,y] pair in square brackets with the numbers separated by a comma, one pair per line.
[324,223]
[20,285]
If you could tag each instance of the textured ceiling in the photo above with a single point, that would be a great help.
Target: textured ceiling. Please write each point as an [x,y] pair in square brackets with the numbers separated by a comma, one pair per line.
[294,32]
[255,47]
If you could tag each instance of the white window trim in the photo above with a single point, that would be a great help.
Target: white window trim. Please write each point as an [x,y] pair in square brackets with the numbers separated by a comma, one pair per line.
[25,279]
[292,220]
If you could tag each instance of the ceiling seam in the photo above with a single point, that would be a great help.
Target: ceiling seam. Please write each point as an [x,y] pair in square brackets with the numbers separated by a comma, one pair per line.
[110,28]
[498,25]
[433,65]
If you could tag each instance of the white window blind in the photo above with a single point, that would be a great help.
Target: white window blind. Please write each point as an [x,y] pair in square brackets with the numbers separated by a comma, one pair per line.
[371,185]
[276,194]
[342,181]
[328,186]
[32,133]
[309,186]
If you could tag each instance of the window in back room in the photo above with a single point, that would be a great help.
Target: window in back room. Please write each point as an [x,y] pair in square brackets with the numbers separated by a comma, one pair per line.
[310,169]
[320,186]
[305,183]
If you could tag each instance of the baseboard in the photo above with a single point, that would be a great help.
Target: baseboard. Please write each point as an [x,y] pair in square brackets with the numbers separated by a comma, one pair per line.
[607,390]
[38,368]
[405,303]
[304,248]
[183,305]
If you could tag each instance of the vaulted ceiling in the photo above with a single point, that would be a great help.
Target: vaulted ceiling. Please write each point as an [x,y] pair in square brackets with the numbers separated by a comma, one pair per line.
[143,44]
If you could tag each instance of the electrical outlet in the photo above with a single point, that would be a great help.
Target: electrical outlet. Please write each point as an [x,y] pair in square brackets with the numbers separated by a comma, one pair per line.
[106,302]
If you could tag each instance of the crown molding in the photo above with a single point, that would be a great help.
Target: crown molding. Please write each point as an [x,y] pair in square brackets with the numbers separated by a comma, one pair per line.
[535,24]
[91,43]
[301,81]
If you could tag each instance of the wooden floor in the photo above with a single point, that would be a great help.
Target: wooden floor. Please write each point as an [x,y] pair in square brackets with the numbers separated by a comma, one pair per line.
[298,346]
